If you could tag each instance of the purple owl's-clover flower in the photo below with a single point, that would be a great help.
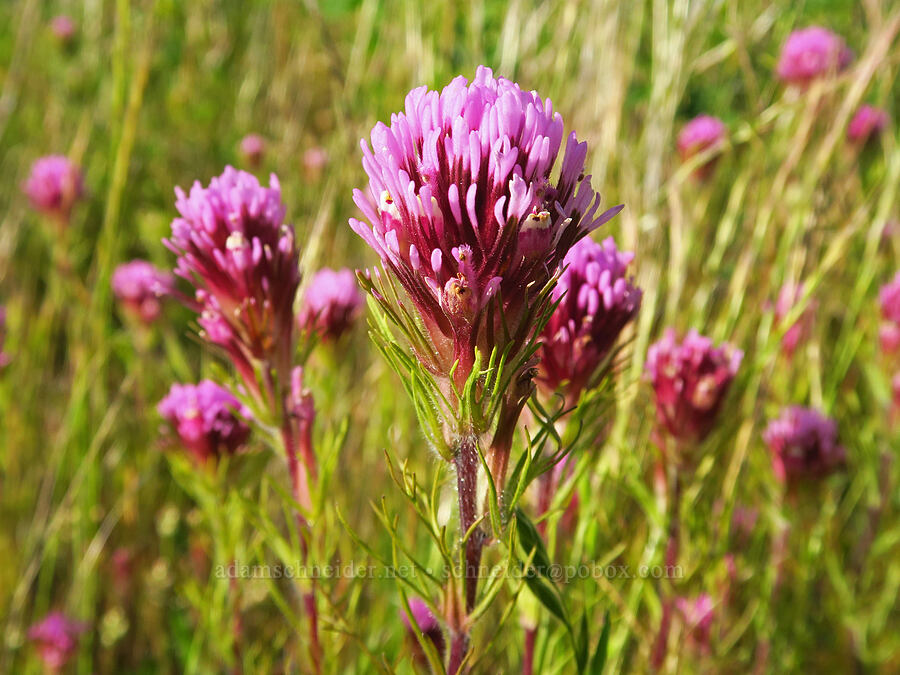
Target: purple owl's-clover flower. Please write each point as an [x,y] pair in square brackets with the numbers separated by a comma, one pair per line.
[597,301]
[331,303]
[140,287]
[233,246]
[889,299]
[690,381]
[804,444]
[697,614]
[53,187]
[428,625]
[867,123]
[789,295]
[811,53]
[462,210]
[206,418]
[56,639]
[700,134]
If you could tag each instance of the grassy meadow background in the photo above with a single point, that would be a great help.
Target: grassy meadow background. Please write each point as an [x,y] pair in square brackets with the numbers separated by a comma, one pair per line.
[151,95]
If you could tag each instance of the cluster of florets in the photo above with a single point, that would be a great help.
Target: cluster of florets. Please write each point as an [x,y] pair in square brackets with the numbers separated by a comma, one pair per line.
[812,53]
[331,303]
[804,444]
[233,245]
[690,380]
[208,419]
[596,301]
[140,286]
[463,212]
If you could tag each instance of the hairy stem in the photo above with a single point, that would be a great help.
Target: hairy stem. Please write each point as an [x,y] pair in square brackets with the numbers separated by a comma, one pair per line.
[660,647]
[459,647]
[528,657]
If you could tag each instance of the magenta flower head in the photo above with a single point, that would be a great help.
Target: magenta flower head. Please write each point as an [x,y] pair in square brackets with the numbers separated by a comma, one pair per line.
[804,445]
[140,287]
[889,298]
[207,419]
[789,295]
[465,215]
[867,123]
[690,381]
[253,149]
[56,639]
[53,186]
[811,53]
[697,614]
[597,301]
[427,624]
[698,135]
[331,303]
[233,246]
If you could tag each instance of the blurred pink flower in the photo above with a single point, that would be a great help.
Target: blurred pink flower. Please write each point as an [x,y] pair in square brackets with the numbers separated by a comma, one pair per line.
[205,417]
[56,639]
[789,295]
[53,186]
[698,135]
[253,149]
[867,123]
[140,286]
[697,614]
[461,208]
[233,246]
[889,299]
[804,444]
[811,53]
[597,300]
[62,27]
[314,160]
[690,381]
[331,303]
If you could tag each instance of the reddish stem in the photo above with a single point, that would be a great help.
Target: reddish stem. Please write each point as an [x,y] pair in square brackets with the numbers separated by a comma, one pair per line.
[528,657]
[459,647]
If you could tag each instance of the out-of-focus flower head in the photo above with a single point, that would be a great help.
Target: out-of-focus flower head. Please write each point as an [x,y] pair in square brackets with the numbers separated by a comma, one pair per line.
[62,27]
[868,122]
[698,135]
[462,209]
[889,298]
[207,419]
[811,53]
[53,186]
[597,301]
[140,286]
[331,303]
[233,246]
[56,639]
[253,149]
[690,380]
[697,614]
[804,444]
[314,160]
[789,295]
[427,623]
